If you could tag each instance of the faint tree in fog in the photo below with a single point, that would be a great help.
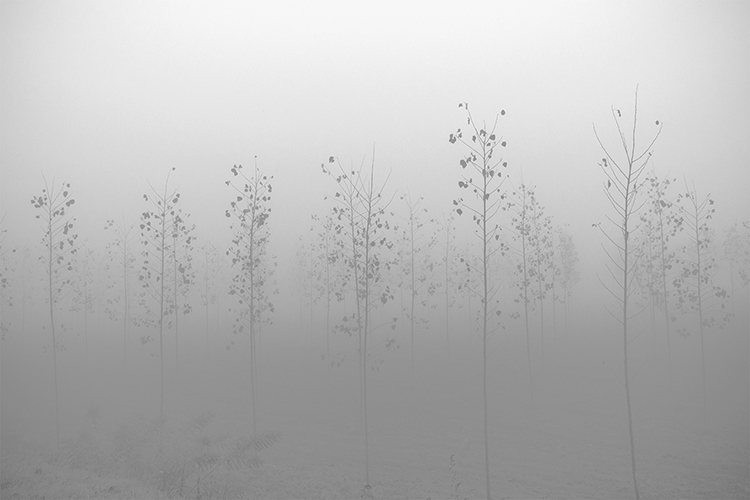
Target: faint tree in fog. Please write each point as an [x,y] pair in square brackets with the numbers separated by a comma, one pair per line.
[156,235]
[59,248]
[360,218]
[182,272]
[567,264]
[6,279]
[486,190]
[623,182]
[329,282]
[210,285]
[119,270]
[522,220]
[449,251]
[83,288]
[541,243]
[249,212]
[660,222]
[416,256]
[696,288]
[737,252]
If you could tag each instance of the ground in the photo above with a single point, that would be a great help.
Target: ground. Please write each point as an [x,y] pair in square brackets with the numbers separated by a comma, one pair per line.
[425,436]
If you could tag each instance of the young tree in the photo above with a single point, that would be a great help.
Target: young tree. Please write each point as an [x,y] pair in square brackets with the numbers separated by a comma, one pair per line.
[156,227]
[737,253]
[696,282]
[621,188]
[83,299]
[567,258]
[521,202]
[249,212]
[541,243]
[480,160]
[660,222]
[361,217]
[417,255]
[119,270]
[6,298]
[182,272]
[59,248]
[449,279]
[210,284]
[330,249]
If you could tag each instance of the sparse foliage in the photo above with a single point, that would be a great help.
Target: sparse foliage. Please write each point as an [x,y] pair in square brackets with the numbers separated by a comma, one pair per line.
[697,291]
[251,285]
[156,227]
[59,248]
[119,270]
[487,194]
[622,186]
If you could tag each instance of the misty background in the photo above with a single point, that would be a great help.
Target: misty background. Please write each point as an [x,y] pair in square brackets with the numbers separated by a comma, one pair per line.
[110,96]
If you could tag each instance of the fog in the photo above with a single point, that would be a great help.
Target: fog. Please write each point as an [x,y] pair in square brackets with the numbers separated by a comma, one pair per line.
[125,99]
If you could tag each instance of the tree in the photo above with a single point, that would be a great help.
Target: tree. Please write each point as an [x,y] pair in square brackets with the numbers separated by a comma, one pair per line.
[487,194]
[541,243]
[449,251]
[737,252]
[210,284]
[156,235]
[360,216]
[418,268]
[696,282]
[83,299]
[249,212]
[567,258]
[521,202]
[621,189]
[660,223]
[182,273]
[119,269]
[59,244]
[329,283]
[6,280]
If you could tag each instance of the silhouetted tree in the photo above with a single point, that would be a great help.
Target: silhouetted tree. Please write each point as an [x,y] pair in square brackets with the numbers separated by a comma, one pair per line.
[621,188]
[249,212]
[360,216]
[696,281]
[156,235]
[486,190]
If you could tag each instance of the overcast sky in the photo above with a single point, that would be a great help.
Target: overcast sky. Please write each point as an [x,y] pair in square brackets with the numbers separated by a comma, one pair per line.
[108,95]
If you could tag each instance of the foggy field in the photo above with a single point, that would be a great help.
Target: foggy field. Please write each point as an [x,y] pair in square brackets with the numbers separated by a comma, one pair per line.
[375,250]
[571,444]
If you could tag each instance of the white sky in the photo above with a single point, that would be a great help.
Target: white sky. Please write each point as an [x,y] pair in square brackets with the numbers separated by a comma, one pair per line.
[107,95]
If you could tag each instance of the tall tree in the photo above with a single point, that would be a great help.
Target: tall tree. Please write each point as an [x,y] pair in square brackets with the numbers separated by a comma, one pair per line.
[119,270]
[156,235]
[59,248]
[83,288]
[621,188]
[449,279]
[6,279]
[417,259]
[486,190]
[249,212]
[361,216]
[660,222]
[696,283]
[522,220]
[567,258]
[183,276]
[210,283]
[737,253]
